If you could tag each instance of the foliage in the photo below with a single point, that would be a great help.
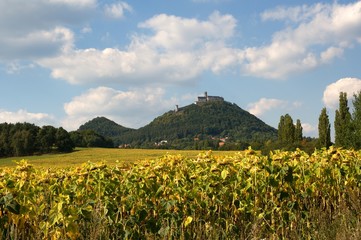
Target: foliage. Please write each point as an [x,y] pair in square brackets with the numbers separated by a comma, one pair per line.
[107,128]
[356,121]
[324,130]
[343,136]
[286,130]
[63,140]
[289,135]
[288,195]
[298,131]
[22,139]
[206,122]
[89,138]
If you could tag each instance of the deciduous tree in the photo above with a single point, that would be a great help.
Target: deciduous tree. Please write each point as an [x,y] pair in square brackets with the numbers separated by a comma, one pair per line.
[63,140]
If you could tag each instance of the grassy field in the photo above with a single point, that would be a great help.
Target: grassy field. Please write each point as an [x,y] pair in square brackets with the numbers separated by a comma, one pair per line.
[107,155]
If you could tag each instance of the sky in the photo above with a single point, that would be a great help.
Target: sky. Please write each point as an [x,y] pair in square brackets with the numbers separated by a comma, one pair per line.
[64,62]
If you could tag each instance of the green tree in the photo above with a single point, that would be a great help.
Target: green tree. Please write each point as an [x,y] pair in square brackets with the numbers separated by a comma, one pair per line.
[324,129]
[23,139]
[21,143]
[5,148]
[286,131]
[356,121]
[298,131]
[46,138]
[280,129]
[63,140]
[343,131]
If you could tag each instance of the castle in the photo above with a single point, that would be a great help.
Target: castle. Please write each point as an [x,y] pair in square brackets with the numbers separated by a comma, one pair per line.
[207,98]
[203,99]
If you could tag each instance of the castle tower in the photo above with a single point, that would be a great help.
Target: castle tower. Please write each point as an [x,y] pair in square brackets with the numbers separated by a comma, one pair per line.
[206,96]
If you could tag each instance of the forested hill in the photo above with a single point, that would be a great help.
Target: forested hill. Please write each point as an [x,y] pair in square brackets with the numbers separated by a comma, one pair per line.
[196,122]
[105,127]
[209,120]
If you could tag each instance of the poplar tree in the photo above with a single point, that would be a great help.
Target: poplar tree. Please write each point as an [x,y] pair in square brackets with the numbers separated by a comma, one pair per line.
[356,121]
[324,129]
[280,129]
[286,130]
[298,131]
[343,133]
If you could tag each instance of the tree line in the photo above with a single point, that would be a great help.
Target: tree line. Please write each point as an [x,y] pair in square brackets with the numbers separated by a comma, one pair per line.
[22,139]
[347,127]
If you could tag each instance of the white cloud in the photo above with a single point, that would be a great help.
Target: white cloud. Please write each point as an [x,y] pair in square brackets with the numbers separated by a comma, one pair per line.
[172,49]
[25,116]
[172,32]
[87,30]
[37,44]
[77,3]
[309,129]
[322,32]
[133,108]
[332,92]
[331,53]
[179,50]
[294,14]
[117,10]
[15,67]
[264,105]
[33,29]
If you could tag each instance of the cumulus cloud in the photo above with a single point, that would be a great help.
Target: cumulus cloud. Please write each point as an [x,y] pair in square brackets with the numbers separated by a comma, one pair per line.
[37,44]
[133,108]
[309,129]
[25,116]
[331,94]
[178,50]
[294,14]
[264,105]
[40,30]
[117,10]
[321,33]
[172,49]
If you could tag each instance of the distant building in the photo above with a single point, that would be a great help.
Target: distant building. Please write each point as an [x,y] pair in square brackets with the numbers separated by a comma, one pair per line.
[206,98]
[161,143]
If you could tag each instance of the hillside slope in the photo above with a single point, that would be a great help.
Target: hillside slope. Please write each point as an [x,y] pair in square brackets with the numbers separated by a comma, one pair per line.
[105,127]
[214,119]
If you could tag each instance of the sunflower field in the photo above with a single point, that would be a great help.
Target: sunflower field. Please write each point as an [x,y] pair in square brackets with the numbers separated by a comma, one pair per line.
[286,195]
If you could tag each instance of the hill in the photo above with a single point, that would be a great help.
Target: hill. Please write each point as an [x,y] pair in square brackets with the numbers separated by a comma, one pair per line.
[106,128]
[194,126]
[208,120]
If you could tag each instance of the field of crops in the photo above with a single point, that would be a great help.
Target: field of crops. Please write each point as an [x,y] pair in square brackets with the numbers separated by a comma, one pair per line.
[287,195]
[111,156]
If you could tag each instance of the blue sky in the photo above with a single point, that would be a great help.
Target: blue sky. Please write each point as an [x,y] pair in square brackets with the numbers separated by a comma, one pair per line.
[64,62]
